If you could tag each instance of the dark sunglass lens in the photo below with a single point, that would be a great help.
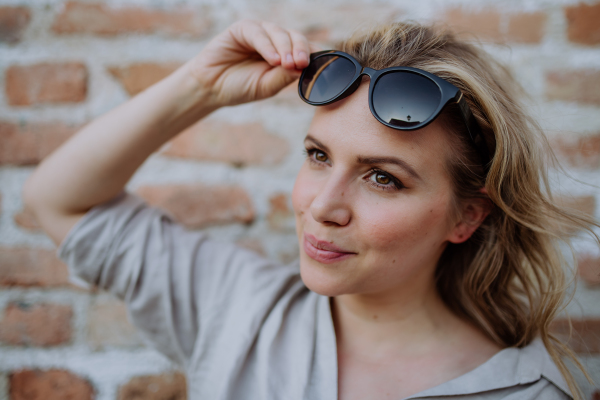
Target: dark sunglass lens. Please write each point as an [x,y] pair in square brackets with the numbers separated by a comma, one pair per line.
[405,99]
[326,77]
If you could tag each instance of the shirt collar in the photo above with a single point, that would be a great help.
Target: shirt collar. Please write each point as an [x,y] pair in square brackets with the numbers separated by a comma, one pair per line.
[509,367]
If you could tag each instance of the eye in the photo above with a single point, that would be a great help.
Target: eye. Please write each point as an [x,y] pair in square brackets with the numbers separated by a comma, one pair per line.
[383,181]
[382,178]
[320,156]
[316,156]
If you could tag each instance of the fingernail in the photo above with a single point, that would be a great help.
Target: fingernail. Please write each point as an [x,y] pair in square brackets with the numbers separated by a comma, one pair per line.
[289,58]
[303,55]
[275,55]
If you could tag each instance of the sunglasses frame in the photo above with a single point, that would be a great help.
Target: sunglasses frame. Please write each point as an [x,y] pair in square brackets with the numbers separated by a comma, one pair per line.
[449,94]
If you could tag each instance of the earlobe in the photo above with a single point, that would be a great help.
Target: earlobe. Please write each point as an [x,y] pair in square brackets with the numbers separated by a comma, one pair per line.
[473,216]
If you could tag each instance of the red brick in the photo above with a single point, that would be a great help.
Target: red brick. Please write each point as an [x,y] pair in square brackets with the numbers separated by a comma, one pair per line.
[13,22]
[22,266]
[579,152]
[582,23]
[100,19]
[29,143]
[526,27]
[198,206]
[108,325]
[589,269]
[483,24]
[46,83]
[237,144]
[317,33]
[582,86]
[36,325]
[280,216]
[585,337]
[136,77]
[583,204]
[26,220]
[333,22]
[168,386]
[53,384]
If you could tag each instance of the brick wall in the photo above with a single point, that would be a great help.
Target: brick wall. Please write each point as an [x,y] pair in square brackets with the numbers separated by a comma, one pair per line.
[63,63]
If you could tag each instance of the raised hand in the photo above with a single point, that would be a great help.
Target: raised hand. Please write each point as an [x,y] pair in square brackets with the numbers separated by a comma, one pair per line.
[249,61]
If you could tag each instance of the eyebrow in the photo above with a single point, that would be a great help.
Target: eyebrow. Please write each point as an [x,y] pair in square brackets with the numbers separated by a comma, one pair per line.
[374,160]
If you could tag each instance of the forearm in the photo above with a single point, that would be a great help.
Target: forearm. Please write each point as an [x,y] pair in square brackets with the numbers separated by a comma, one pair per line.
[95,164]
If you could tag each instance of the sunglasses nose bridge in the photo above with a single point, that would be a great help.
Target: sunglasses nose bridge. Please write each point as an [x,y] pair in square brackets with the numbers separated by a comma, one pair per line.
[368,71]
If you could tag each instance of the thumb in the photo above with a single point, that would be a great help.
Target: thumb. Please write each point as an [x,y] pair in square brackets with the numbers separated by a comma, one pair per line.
[276,79]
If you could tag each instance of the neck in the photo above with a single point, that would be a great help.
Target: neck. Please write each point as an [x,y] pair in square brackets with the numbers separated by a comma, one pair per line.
[403,321]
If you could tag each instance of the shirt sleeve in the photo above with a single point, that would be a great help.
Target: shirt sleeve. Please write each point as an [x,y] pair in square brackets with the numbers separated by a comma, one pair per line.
[167,275]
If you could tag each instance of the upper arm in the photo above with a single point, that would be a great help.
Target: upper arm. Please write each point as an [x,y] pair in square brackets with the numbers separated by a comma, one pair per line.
[173,280]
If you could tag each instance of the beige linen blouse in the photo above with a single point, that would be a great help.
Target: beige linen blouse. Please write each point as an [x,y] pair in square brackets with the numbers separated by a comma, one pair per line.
[244,327]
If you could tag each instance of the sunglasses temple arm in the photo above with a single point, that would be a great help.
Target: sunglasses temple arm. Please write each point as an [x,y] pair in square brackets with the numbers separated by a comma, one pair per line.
[475,132]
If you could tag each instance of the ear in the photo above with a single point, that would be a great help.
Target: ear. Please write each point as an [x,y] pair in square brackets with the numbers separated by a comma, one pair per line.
[473,214]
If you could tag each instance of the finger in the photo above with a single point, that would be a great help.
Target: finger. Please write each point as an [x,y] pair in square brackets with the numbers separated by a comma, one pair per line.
[276,79]
[253,37]
[282,42]
[301,49]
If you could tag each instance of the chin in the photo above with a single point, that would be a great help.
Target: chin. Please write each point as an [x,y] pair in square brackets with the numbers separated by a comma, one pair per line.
[326,280]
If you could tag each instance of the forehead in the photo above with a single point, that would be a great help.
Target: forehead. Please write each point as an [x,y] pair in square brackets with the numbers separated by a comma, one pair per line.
[348,128]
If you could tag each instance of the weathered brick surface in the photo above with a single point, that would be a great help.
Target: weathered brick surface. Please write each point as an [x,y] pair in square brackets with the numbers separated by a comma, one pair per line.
[585,337]
[331,24]
[526,27]
[168,386]
[582,86]
[36,324]
[100,19]
[589,269]
[108,325]
[26,220]
[198,206]
[13,22]
[252,244]
[491,25]
[485,24]
[579,152]
[582,23]
[584,204]
[23,266]
[29,143]
[136,77]
[46,83]
[280,216]
[52,384]
[237,144]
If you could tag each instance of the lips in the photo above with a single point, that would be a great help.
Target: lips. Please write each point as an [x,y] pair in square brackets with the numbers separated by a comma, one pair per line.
[324,252]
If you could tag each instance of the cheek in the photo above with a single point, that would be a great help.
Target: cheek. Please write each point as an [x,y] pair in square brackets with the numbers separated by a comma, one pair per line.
[301,193]
[404,226]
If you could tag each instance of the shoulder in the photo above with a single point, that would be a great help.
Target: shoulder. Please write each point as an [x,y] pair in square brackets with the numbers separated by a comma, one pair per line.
[525,373]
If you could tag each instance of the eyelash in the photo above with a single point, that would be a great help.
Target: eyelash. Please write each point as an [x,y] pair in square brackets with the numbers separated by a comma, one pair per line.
[395,186]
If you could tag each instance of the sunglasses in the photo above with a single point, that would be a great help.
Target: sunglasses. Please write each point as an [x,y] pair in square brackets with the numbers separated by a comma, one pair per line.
[402,98]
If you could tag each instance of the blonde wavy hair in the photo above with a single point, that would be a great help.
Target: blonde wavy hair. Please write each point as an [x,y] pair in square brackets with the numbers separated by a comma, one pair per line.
[509,278]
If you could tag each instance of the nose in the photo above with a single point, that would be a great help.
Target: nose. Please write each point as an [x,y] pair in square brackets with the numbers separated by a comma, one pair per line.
[331,204]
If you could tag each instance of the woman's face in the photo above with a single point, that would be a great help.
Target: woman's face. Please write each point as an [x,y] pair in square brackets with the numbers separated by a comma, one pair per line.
[372,204]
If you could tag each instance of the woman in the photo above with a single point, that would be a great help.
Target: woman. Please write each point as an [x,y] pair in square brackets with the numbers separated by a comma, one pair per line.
[427,267]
